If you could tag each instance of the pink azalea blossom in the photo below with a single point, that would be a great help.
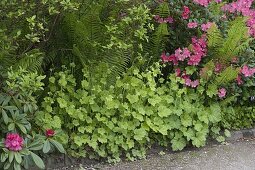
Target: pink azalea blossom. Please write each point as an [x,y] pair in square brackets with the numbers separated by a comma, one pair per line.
[164,57]
[49,132]
[181,55]
[206,26]
[185,76]
[247,72]
[169,20]
[170,58]
[192,24]
[239,80]
[158,19]
[13,142]
[222,92]
[186,52]
[194,59]
[218,67]
[204,3]
[199,50]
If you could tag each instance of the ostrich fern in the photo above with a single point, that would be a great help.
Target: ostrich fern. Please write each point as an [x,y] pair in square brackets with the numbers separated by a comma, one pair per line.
[235,42]
[223,49]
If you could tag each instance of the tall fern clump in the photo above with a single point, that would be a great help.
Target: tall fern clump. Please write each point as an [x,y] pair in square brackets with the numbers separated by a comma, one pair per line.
[102,31]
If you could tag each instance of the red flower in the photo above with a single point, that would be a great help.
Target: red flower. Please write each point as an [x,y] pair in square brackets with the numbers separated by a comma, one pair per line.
[50,132]
[186,12]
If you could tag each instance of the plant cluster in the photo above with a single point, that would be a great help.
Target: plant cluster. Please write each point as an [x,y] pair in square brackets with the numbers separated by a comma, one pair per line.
[111,78]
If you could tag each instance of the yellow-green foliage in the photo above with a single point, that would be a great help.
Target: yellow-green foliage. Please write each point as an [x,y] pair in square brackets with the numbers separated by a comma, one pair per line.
[126,118]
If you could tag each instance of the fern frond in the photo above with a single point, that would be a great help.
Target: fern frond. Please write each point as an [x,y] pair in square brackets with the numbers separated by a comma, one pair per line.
[236,41]
[157,41]
[163,10]
[228,75]
[31,61]
[215,39]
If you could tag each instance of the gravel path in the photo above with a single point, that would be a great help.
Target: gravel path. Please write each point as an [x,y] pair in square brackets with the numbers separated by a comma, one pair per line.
[231,156]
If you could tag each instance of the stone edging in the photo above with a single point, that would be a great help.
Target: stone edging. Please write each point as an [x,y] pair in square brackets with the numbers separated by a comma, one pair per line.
[240,134]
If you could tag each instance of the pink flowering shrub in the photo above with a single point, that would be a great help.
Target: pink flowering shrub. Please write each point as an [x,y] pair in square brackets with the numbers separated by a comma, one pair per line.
[191,58]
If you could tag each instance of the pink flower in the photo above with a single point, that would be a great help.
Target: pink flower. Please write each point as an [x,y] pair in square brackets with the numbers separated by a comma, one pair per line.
[169,20]
[170,58]
[218,67]
[247,72]
[178,72]
[218,1]
[202,2]
[186,53]
[206,26]
[195,83]
[49,132]
[186,12]
[194,59]
[239,80]
[192,24]
[13,142]
[164,57]
[185,76]
[158,19]
[222,92]
[188,82]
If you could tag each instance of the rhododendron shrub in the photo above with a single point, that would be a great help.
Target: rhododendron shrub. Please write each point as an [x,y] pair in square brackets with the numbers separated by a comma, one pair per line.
[20,143]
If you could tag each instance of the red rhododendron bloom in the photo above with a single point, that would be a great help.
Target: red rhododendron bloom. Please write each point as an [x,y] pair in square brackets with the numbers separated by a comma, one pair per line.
[186,12]
[13,142]
[50,132]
